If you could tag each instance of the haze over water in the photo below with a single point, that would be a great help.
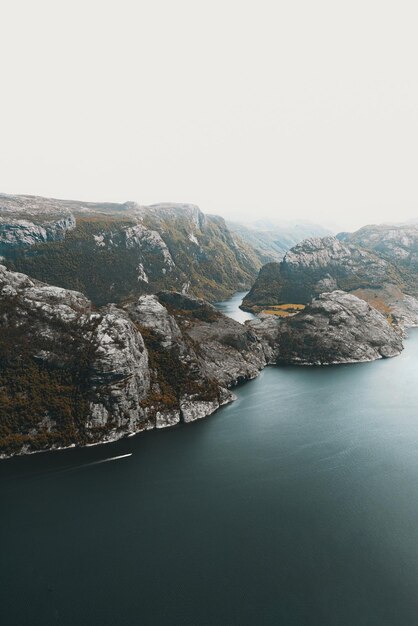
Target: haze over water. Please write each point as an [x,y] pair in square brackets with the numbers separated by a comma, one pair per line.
[297,504]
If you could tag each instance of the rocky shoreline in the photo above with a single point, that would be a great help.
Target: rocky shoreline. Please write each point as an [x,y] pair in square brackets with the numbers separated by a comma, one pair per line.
[98,375]
[73,372]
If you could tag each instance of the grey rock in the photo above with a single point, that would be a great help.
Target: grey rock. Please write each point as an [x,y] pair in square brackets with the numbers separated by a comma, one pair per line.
[397,243]
[227,351]
[133,249]
[317,265]
[151,364]
[150,313]
[121,365]
[195,409]
[165,419]
[336,327]
[25,221]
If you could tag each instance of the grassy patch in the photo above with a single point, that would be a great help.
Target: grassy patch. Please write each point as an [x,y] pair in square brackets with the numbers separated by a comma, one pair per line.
[284,310]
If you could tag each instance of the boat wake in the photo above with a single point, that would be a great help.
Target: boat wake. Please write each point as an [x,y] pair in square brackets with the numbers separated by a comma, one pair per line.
[108,460]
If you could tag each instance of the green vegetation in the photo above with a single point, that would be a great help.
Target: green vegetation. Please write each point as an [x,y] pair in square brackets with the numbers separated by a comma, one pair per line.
[266,290]
[96,259]
[280,283]
[215,267]
[172,376]
[42,405]
[103,273]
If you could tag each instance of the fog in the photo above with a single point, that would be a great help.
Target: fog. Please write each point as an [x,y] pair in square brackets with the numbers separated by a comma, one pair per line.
[287,110]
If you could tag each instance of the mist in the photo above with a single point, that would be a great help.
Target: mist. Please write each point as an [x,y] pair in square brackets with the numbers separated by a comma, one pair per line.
[271,109]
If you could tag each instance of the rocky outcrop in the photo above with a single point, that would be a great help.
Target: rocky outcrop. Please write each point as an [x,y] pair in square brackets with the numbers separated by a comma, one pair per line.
[16,232]
[317,266]
[266,290]
[167,211]
[119,374]
[203,345]
[397,306]
[110,251]
[72,374]
[75,374]
[396,243]
[334,328]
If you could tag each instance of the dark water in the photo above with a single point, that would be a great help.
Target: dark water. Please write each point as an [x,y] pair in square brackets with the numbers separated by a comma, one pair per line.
[297,504]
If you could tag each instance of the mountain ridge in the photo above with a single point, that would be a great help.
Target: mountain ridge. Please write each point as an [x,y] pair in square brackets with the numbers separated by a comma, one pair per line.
[272,238]
[326,264]
[130,248]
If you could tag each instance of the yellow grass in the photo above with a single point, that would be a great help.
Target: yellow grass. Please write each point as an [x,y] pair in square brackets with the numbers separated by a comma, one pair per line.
[284,310]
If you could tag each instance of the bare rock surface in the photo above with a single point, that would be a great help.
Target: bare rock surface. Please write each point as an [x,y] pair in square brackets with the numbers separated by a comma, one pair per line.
[317,265]
[322,265]
[72,374]
[129,249]
[334,328]
[397,242]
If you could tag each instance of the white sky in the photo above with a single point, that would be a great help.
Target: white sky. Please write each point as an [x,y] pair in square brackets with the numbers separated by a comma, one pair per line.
[292,109]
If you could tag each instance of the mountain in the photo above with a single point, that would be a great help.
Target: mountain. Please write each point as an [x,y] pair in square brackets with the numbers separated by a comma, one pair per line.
[72,374]
[109,251]
[326,264]
[396,243]
[271,238]
[317,265]
[333,328]
[135,351]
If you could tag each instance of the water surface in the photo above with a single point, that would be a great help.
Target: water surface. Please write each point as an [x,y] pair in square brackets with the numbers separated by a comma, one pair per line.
[297,504]
[231,307]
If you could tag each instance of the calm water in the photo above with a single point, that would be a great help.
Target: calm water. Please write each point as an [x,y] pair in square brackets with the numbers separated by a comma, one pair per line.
[297,504]
[231,307]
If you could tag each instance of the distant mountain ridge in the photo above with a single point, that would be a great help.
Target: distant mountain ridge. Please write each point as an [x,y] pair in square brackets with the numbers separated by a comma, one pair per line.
[397,243]
[272,238]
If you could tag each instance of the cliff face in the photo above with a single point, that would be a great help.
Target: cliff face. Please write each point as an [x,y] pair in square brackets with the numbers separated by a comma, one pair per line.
[322,265]
[334,328]
[110,251]
[267,289]
[71,374]
[318,265]
[77,370]
[397,244]
[24,222]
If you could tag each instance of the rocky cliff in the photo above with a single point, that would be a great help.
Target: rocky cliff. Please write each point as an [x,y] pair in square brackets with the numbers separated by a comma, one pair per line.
[25,222]
[110,251]
[73,374]
[77,369]
[322,265]
[334,328]
[396,243]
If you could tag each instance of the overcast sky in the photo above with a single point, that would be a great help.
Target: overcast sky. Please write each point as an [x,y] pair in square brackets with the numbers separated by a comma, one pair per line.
[292,109]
